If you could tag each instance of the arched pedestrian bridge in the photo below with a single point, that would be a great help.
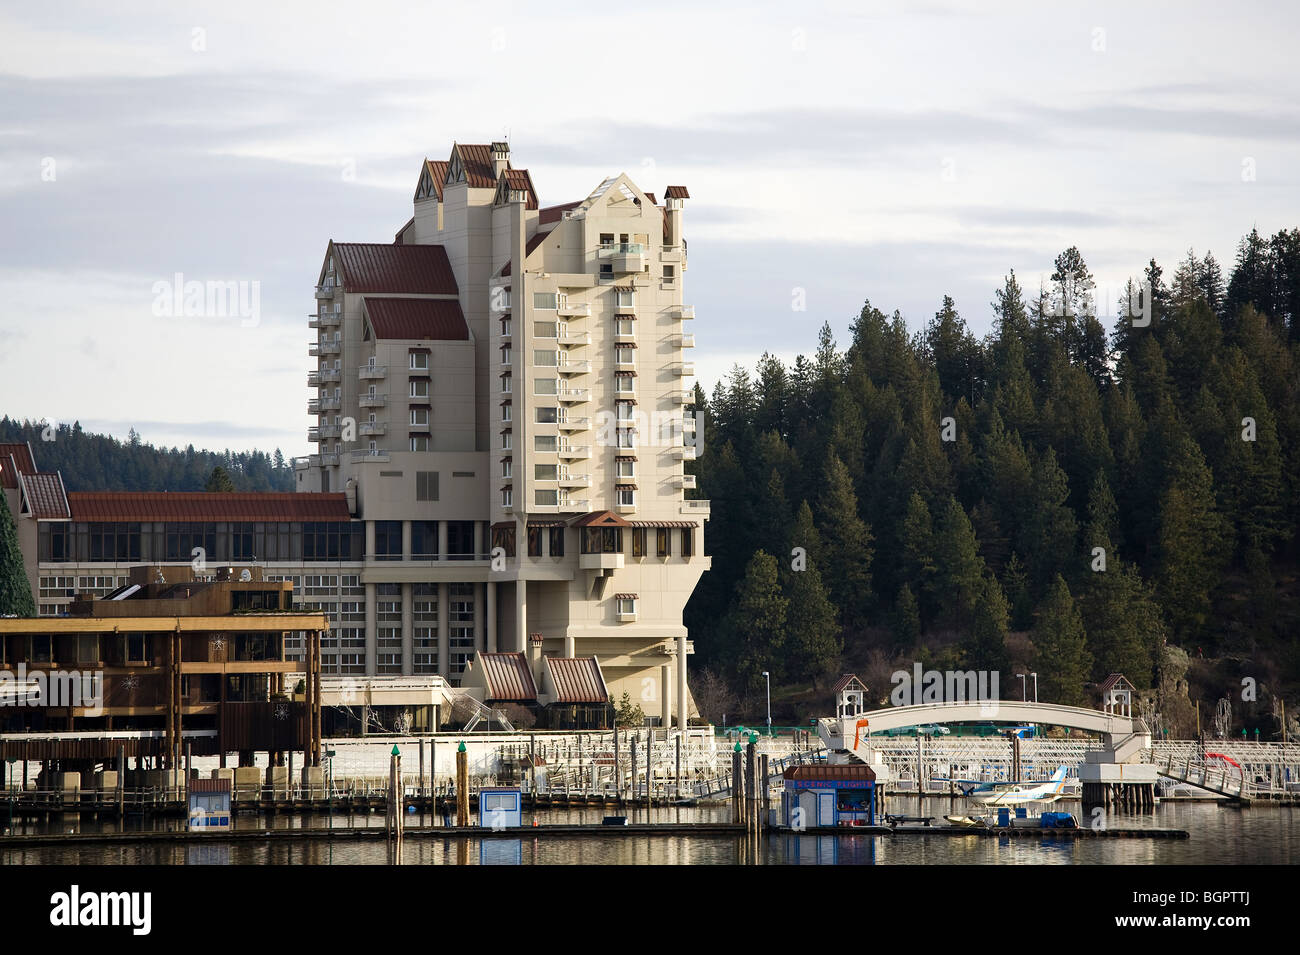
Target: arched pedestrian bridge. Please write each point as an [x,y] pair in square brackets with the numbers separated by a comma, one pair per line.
[1123,737]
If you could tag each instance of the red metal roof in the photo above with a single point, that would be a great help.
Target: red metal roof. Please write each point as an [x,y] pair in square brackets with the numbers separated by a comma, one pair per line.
[844,681]
[651,197]
[520,180]
[409,269]
[677,192]
[556,213]
[601,519]
[15,459]
[417,318]
[507,677]
[203,506]
[438,172]
[480,171]
[577,680]
[45,495]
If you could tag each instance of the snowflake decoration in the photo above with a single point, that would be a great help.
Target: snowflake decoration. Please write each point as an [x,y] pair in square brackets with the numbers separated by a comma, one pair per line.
[282,711]
[129,682]
[217,643]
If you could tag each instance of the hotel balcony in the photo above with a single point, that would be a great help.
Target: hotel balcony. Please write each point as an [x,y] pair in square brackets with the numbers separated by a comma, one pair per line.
[377,454]
[325,376]
[688,424]
[327,291]
[683,312]
[574,367]
[328,460]
[570,337]
[324,320]
[670,254]
[574,424]
[574,310]
[683,453]
[578,453]
[684,480]
[625,256]
[573,395]
[372,372]
[684,340]
[324,348]
[372,401]
[682,396]
[318,405]
[696,508]
[323,432]
[600,561]
[575,480]
[373,428]
[685,369]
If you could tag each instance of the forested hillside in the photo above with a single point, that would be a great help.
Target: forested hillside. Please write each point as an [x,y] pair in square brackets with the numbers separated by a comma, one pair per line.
[98,462]
[1056,497]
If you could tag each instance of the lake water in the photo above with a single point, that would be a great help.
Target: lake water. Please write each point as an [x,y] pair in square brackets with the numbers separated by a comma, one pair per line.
[1219,836]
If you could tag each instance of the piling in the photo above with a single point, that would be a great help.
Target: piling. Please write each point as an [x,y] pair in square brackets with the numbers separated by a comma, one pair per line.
[462,785]
[737,787]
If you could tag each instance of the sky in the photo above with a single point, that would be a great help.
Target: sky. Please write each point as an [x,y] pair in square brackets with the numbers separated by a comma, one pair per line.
[834,152]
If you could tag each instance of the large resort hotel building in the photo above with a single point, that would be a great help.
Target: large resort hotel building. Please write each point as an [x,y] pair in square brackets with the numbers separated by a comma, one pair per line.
[502,410]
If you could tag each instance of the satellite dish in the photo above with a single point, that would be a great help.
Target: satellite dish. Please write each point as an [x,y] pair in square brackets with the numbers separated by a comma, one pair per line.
[245,575]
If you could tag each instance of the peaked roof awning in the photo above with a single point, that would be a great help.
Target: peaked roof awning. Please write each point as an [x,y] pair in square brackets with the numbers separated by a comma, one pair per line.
[15,459]
[45,496]
[577,680]
[507,677]
[677,192]
[399,269]
[843,682]
[601,519]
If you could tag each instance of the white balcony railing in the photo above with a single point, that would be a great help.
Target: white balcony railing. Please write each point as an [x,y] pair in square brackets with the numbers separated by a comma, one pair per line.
[370,454]
[684,312]
[574,310]
[373,401]
[371,372]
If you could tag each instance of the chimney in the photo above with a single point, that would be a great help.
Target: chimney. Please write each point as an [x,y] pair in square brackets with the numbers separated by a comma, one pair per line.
[535,657]
[500,158]
[673,196]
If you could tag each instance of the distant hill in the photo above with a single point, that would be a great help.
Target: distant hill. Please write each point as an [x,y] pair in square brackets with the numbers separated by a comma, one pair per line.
[100,462]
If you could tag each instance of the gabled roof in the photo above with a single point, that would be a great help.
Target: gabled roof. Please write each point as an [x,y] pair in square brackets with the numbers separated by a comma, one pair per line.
[506,677]
[433,175]
[516,180]
[577,680]
[436,319]
[843,682]
[651,197]
[403,269]
[476,160]
[601,519]
[397,237]
[1114,679]
[677,192]
[15,459]
[204,506]
[45,496]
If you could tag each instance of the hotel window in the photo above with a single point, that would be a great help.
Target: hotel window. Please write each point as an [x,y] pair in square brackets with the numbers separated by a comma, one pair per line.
[507,466]
[420,417]
[505,354]
[505,328]
[534,541]
[625,467]
[602,540]
[545,330]
[623,298]
[545,300]
[388,540]
[624,409]
[688,542]
[460,625]
[556,541]
[624,383]
[626,604]
[548,415]
[626,497]
[544,358]
[669,273]
[419,361]
[507,383]
[638,542]
[418,442]
[137,649]
[607,271]
[545,472]
[505,411]
[625,326]
[505,440]
[419,388]
[502,297]
[662,542]
[545,442]
[626,438]
[546,498]
[507,498]
[545,386]
[426,485]
[624,354]
[606,240]
[424,540]
[424,616]
[504,537]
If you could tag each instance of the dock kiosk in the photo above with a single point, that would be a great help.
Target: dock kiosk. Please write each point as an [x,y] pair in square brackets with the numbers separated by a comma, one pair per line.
[823,795]
[500,808]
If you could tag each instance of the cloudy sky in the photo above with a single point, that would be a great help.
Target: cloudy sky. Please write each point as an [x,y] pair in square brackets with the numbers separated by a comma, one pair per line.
[850,150]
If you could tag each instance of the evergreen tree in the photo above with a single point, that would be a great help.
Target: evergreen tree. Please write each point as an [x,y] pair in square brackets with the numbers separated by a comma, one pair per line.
[812,633]
[959,569]
[1060,648]
[757,623]
[219,481]
[906,620]
[15,588]
[986,649]
[847,542]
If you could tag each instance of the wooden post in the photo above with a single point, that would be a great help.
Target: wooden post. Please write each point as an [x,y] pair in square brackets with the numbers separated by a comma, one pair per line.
[462,786]
[618,771]
[751,784]
[649,769]
[737,787]
[632,781]
[420,743]
[767,795]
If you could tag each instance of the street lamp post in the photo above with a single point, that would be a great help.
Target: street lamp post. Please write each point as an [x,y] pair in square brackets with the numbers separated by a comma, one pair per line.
[1035,676]
[768,677]
[1024,696]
